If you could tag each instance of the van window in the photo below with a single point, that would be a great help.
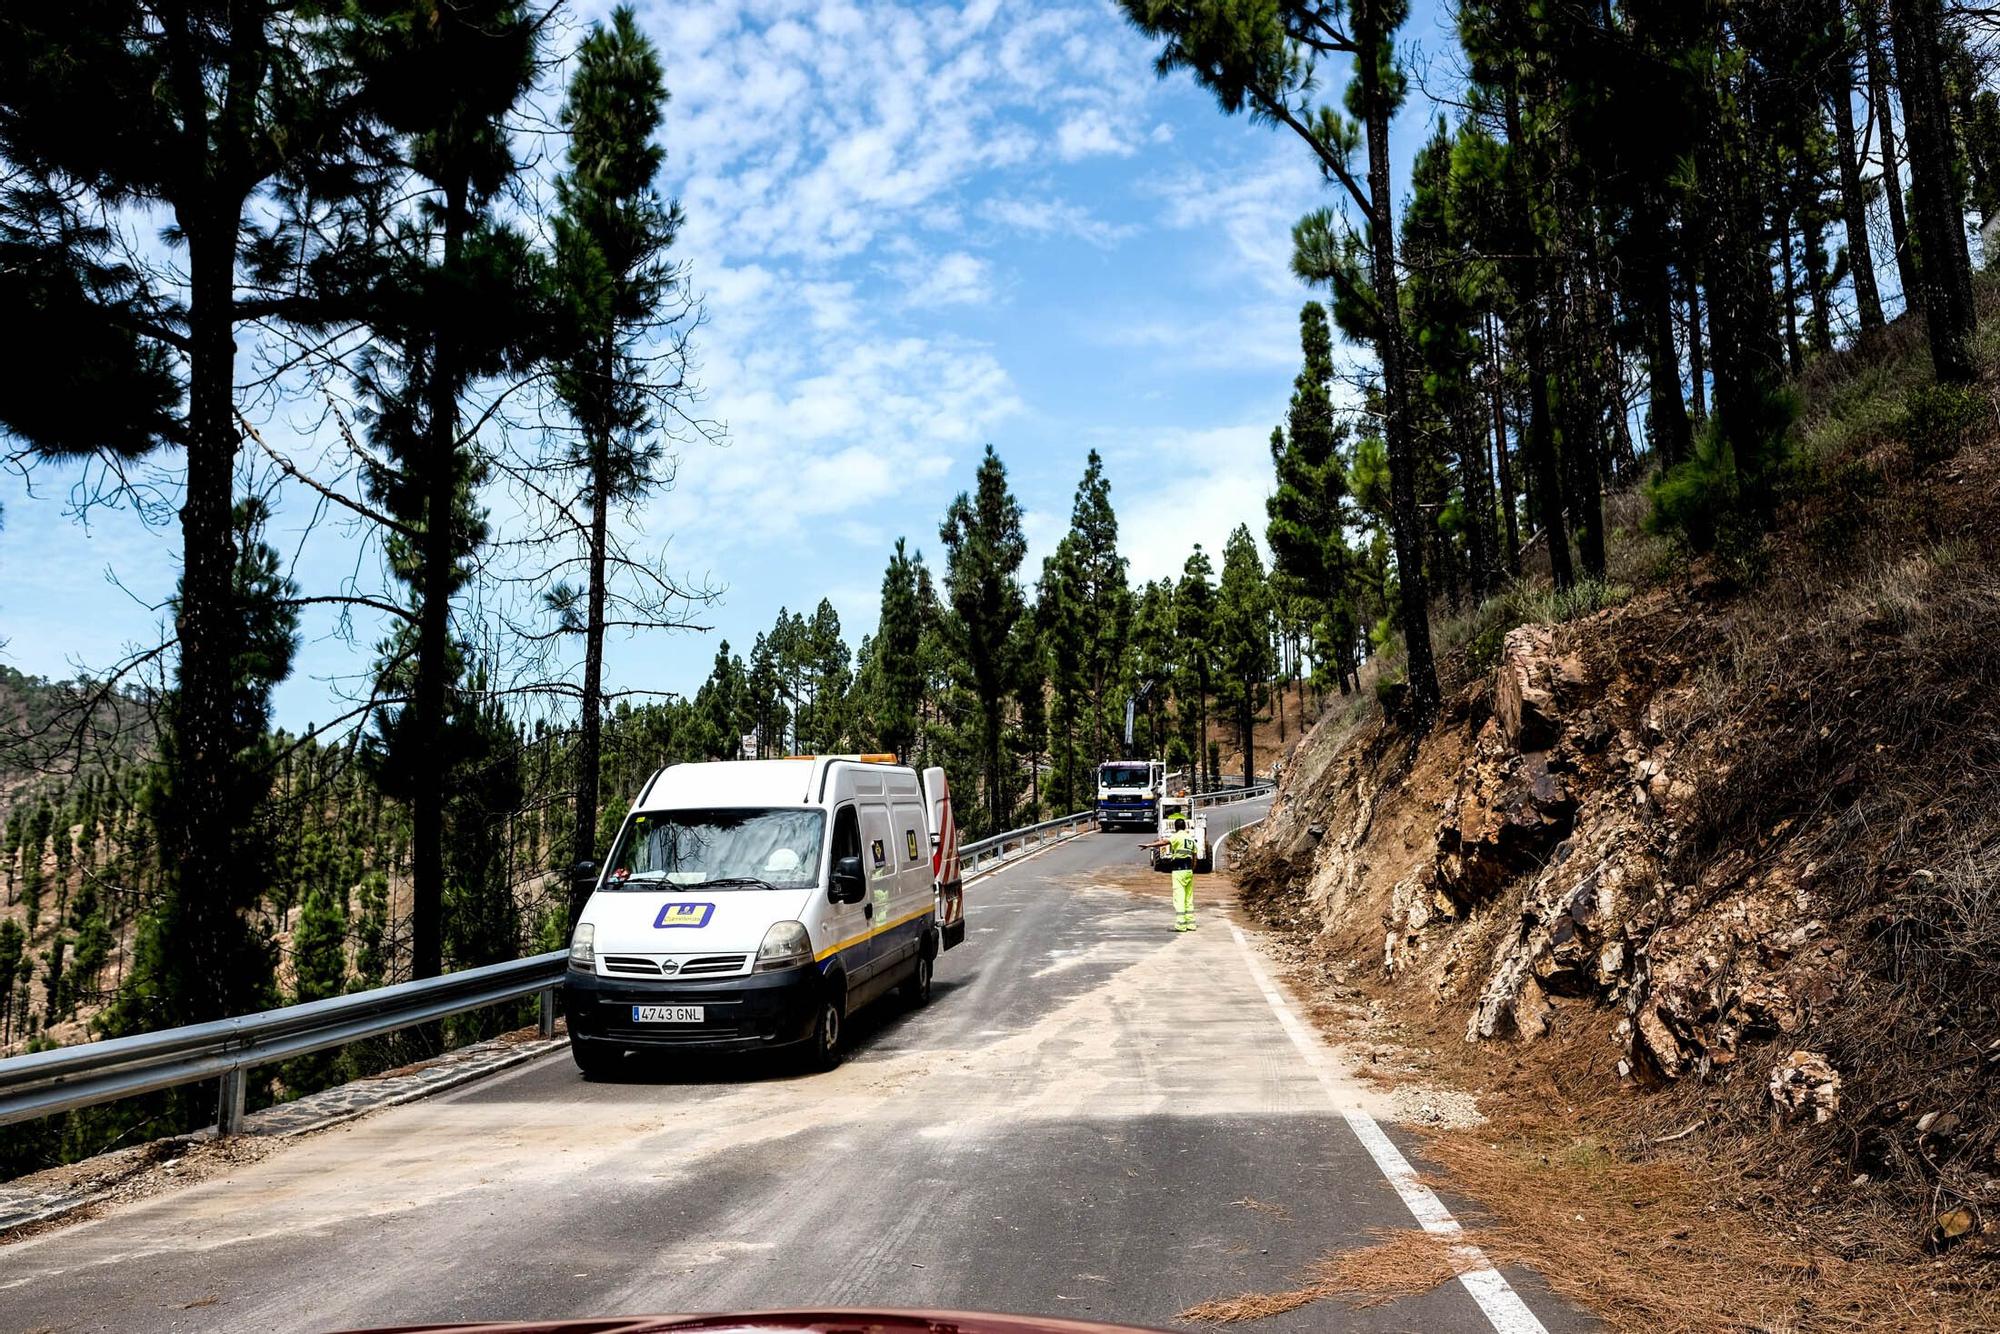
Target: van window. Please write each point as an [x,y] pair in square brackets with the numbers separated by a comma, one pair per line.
[746,848]
[846,834]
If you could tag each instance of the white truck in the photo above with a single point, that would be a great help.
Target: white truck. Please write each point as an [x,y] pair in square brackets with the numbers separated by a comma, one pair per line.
[755,904]
[1129,792]
[1180,805]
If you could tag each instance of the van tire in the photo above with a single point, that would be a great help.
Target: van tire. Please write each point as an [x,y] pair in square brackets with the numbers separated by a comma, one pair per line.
[597,1060]
[823,1049]
[917,991]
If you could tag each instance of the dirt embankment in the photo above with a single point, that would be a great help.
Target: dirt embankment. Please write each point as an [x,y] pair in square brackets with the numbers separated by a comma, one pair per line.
[1717,870]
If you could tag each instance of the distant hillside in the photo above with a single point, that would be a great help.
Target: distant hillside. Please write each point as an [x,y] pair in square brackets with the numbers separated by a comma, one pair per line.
[45,726]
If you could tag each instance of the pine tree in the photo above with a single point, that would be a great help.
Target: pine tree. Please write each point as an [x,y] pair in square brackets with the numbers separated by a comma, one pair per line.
[1263,60]
[1310,507]
[189,114]
[198,954]
[898,638]
[612,231]
[1195,649]
[984,548]
[1244,661]
[1917,30]
[452,300]
[1062,645]
[1106,597]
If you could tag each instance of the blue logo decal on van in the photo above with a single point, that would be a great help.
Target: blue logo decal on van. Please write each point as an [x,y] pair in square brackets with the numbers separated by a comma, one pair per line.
[684,914]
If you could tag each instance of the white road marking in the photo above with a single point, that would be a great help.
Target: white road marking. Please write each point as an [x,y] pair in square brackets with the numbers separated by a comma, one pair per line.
[1497,1300]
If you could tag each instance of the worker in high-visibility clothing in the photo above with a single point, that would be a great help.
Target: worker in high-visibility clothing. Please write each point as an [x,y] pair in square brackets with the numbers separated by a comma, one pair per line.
[1180,844]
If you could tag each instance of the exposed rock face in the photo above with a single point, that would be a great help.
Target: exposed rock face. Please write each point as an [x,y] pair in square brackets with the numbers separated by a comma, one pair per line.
[1530,679]
[1519,858]
[1805,1084]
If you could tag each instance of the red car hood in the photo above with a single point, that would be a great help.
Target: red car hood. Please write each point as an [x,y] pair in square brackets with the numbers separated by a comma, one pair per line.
[791,1322]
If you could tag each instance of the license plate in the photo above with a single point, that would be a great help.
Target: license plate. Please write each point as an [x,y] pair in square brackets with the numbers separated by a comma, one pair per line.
[666,1014]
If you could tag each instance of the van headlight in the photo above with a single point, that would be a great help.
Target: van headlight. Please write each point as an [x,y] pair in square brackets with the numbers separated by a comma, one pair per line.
[583,948]
[786,945]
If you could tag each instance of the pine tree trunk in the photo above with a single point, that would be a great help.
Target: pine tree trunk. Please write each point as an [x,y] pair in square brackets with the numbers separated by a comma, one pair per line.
[1819,333]
[1541,445]
[1247,718]
[1946,270]
[206,870]
[990,720]
[1502,464]
[1673,435]
[1596,399]
[428,773]
[1880,81]
[1407,536]
[1853,204]
[590,722]
[1794,354]
[1697,350]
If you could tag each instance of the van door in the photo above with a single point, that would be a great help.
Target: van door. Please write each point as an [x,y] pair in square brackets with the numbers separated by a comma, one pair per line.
[878,862]
[915,887]
[848,924]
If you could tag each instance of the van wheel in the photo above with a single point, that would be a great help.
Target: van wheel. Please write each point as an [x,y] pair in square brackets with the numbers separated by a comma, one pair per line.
[823,1051]
[917,991]
[596,1060]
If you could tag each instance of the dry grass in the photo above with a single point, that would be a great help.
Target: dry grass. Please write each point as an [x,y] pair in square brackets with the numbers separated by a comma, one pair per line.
[1405,1262]
[1277,1211]
[1668,1241]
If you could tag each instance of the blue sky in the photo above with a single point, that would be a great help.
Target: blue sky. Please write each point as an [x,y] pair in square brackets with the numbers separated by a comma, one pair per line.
[917,229]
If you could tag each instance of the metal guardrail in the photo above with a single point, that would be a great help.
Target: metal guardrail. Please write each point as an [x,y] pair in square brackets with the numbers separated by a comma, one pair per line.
[46,1082]
[980,855]
[1222,796]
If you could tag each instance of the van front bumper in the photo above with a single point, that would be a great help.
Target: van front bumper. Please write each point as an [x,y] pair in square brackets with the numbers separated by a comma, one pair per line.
[738,1013]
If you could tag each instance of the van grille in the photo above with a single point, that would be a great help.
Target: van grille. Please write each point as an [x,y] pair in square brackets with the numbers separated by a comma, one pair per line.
[704,965]
[714,963]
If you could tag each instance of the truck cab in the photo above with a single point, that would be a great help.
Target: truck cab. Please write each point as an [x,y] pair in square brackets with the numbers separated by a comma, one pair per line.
[1128,793]
[753,905]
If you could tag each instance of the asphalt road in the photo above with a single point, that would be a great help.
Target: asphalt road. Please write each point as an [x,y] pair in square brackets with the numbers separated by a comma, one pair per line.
[1095,1117]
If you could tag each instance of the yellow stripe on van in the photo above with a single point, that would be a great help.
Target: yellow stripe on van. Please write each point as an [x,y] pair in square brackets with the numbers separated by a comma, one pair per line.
[871,933]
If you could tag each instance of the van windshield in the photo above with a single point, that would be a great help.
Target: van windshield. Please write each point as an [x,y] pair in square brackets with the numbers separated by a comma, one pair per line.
[745,848]
[1124,775]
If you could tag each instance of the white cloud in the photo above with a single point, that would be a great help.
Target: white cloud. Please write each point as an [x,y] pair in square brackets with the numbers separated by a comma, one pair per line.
[1175,487]
[1250,213]
[957,279]
[1089,134]
[1054,217]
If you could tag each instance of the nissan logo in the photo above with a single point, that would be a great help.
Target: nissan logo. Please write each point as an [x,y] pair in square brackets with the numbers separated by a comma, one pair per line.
[669,967]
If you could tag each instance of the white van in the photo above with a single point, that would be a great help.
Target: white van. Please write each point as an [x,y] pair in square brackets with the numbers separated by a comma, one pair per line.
[756,904]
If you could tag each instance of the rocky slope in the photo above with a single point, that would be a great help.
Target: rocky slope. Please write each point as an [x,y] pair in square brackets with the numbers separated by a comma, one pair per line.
[1747,831]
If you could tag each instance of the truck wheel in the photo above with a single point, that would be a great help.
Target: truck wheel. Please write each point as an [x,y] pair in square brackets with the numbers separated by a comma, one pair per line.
[823,1051]
[597,1060]
[917,991]
[1206,864]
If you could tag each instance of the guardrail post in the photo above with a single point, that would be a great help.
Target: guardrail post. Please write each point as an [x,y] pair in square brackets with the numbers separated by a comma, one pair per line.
[229,1105]
[548,1024]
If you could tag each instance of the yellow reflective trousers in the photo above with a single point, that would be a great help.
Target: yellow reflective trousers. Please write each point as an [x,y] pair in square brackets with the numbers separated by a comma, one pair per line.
[1184,899]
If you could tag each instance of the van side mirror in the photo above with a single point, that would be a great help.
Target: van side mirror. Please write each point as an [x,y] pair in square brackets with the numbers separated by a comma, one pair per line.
[583,872]
[848,884]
